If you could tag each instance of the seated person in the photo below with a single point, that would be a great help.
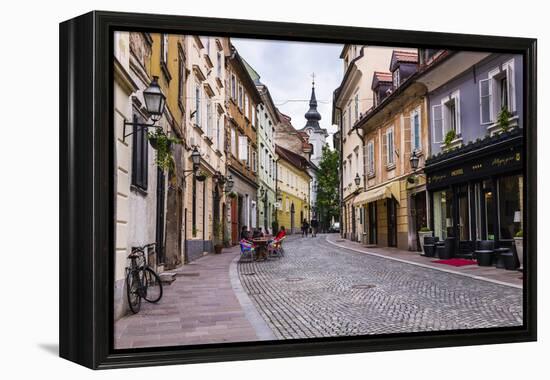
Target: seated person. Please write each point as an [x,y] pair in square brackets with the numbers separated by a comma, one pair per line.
[281,234]
[257,233]
[245,234]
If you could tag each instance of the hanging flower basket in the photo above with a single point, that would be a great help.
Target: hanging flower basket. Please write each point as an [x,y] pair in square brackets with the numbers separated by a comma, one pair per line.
[201,176]
[232,194]
[162,144]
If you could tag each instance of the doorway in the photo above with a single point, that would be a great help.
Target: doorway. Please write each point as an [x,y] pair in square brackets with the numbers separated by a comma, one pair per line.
[292,223]
[391,207]
[234,220]
[371,210]
[419,214]
[159,234]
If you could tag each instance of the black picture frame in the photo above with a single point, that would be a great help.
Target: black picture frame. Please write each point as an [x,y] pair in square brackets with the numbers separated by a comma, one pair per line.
[87,188]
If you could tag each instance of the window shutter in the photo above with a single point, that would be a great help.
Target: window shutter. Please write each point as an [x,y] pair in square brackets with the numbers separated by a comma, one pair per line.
[437,123]
[485,101]
[385,147]
[511,86]
[243,148]
[408,132]
[366,162]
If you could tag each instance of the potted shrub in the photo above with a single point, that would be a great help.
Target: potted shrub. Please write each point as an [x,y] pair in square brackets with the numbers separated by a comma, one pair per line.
[449,138]
[422,232]
[518,241]
[218,246]
[503,119]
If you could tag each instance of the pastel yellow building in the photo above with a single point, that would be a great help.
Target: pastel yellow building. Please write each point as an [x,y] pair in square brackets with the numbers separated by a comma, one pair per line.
[293,184]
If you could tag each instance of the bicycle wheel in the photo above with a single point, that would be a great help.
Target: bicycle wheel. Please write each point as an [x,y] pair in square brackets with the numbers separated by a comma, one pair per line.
[133,290]
[153,286]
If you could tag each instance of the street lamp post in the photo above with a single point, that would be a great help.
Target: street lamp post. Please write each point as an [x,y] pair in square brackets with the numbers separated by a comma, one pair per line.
[155,102]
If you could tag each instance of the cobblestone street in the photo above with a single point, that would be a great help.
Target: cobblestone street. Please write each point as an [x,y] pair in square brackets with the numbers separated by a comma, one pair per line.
[319,290]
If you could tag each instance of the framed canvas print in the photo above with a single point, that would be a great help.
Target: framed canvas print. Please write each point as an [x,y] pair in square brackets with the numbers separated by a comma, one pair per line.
[236,190]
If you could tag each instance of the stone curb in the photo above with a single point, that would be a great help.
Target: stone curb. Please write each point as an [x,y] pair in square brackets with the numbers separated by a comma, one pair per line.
[263,332]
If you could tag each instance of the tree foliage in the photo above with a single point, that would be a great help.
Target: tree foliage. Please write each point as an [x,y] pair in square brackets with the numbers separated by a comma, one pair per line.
[328,182]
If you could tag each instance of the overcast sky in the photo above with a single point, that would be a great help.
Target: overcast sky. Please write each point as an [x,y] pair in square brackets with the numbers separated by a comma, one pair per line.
[286,68]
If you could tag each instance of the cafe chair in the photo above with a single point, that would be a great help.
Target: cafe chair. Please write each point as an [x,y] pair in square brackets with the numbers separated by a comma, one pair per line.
[275,248]
[247,251]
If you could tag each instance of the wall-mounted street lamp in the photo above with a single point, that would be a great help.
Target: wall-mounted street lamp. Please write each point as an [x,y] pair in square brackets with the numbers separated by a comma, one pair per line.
[415,159]
[155,102]
[196,160]
[357,179]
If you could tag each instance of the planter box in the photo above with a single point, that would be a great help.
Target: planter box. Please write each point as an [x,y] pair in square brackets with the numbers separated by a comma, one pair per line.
[519,249]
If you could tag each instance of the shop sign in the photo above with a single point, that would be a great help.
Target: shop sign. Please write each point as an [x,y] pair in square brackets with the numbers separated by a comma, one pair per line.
[509,160]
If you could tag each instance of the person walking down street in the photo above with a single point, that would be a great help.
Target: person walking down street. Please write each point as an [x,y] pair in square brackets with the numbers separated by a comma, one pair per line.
[314,227]
[305,228]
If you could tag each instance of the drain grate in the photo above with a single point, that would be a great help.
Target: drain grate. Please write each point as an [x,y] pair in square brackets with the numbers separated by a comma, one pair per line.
[189,274]
[249,274]
[363,286]
[294,279]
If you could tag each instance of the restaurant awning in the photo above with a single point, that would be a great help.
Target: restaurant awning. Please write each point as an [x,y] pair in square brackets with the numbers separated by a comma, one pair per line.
[386,191]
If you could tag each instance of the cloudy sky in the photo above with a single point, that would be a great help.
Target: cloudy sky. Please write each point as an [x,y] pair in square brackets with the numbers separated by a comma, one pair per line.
[286,68]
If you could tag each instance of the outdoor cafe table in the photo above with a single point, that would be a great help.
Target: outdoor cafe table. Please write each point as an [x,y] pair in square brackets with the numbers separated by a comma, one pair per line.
[261,245]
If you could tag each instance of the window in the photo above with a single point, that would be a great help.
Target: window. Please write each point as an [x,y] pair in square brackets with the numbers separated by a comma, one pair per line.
[344,126]
[234,142]
[451,114]
[219,132]
[497,92]
[396,78]
[209,129]
[219,64]
[270,167]
[415,131]
[164,49]
[350,124]
[254,164]
[181,82]
[198,105]
[446,117]
[243,149]
[389,147]
[233,87]
[246,106]
[139,155]
[240,97]
[356,101]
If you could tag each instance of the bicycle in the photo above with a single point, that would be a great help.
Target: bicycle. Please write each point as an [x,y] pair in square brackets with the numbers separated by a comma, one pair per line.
[141,280]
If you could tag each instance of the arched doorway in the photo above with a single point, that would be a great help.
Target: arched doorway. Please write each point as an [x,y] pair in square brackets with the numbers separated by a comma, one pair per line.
[292,224]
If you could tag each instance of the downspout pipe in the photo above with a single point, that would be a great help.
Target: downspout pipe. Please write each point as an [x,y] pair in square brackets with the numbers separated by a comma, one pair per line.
[341,186]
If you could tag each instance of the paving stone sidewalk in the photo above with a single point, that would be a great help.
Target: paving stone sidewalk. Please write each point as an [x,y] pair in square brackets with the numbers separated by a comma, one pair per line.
[201,306]
[511,277]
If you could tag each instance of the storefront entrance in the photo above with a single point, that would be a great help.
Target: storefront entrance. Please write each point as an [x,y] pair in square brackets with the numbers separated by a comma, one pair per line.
[478,197]
[391,205]
[419,214]
[371,211]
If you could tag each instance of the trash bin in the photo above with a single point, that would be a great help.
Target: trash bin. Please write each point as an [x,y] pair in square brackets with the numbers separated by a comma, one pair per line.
[364,239]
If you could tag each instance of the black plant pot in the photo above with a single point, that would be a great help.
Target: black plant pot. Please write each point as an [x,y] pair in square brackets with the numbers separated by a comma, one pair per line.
[154,141]
[484,259]
[509,261]
[200,177]
[429,250]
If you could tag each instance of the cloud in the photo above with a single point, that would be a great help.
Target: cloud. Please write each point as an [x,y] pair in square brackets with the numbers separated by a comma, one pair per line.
[286,68]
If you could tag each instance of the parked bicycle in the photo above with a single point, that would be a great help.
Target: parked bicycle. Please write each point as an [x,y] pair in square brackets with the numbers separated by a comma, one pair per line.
[141,280]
